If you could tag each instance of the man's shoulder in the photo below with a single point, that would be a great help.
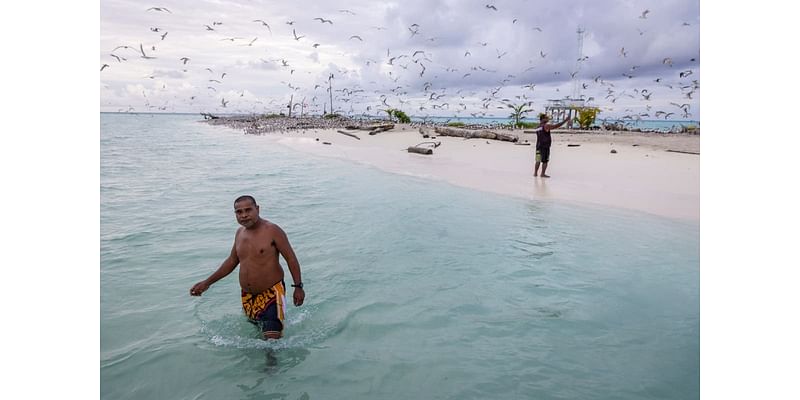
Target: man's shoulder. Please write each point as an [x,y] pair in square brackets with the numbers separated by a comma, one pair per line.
[271,226]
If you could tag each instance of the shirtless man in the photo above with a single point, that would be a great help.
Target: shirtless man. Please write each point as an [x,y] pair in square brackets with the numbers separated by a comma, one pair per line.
[256,247]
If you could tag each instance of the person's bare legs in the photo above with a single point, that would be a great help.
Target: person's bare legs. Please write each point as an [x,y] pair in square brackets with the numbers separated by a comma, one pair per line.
[536,169]
[544,168]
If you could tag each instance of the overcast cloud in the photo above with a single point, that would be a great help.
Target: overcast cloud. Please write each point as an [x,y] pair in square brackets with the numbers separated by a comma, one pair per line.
[428,58]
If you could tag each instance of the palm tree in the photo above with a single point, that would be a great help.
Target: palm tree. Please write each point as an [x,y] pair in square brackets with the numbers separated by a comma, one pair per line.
[519,111]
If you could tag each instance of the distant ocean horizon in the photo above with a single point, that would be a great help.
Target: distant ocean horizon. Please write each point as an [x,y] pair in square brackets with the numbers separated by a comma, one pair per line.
[643,124]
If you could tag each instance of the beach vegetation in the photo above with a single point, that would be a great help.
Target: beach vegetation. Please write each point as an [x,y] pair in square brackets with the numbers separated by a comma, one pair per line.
[457,124]
[518,113]
[526,125]
[397,115]
[331,115]
[271,115]
[586,116]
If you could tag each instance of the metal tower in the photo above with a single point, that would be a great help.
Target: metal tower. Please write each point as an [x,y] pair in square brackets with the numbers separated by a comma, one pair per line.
[579,60]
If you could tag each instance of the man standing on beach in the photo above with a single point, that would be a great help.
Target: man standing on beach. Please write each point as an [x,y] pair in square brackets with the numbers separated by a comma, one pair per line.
[256,247]
[543,142]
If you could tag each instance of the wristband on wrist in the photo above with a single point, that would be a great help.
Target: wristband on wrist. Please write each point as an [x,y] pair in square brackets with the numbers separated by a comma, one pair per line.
[299,285]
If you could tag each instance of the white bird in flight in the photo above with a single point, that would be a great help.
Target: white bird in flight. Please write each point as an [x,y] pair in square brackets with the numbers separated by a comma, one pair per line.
[264,24]
[145,56]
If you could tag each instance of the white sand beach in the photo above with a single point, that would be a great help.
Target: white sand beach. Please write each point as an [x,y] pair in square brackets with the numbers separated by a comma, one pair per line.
[642,175]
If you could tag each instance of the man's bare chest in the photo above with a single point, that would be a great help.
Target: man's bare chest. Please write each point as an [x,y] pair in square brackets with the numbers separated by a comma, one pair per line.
[257,247]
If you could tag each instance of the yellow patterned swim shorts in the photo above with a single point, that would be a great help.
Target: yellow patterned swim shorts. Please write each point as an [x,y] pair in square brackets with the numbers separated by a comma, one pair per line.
[266,309]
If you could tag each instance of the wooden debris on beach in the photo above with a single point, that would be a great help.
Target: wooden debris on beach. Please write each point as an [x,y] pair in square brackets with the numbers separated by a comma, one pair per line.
[372,127]
[573,145]
[684,152]
[418,148]
[477,134]
[423,133]
[348,134]
[381,129]
[613,151]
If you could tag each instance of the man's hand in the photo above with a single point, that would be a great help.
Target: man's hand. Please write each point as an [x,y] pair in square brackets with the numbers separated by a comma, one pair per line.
[198,288]
[299,296]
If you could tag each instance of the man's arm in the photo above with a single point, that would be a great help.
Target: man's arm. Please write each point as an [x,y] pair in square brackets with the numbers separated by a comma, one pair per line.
[226,268]
[282,243]
[558,125]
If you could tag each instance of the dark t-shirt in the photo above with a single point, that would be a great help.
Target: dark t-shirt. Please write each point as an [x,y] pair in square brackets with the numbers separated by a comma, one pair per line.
[542,138]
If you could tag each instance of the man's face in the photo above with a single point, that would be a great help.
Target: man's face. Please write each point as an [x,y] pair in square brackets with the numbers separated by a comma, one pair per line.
[246,213]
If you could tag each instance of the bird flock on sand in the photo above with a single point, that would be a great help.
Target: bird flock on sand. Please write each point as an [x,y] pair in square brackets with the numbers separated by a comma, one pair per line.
[285,66]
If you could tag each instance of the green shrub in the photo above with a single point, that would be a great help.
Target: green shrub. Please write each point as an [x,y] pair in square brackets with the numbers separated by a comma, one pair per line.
[526,125]
[586,116]
[456,124]
[331,115]
[401,116]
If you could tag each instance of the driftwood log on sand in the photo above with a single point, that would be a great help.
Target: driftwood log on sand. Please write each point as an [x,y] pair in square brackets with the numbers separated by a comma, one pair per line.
[419,148]
[370,127]
[348,134]
[481,134]
[381,129]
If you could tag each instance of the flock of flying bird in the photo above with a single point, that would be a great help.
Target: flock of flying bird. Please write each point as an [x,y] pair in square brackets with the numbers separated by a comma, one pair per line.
[418,91]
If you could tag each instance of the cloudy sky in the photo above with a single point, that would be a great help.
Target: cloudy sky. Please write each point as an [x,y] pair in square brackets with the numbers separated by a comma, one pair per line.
[638,59]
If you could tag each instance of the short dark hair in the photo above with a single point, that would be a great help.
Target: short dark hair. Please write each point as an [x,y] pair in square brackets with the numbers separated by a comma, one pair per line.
[245,197]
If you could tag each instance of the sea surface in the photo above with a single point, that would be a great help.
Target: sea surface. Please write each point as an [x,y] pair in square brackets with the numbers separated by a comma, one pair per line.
[415,289]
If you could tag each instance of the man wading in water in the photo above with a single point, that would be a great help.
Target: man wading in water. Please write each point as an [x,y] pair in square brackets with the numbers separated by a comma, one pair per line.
[256,247]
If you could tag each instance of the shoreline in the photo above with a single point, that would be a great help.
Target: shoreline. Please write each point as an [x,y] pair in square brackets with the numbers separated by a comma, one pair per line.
[655,173]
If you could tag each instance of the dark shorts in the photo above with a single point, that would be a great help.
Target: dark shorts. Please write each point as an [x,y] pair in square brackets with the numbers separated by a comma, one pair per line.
[543,154]
[266,309]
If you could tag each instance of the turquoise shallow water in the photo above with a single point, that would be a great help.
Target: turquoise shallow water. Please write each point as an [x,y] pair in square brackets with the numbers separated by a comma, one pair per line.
[415,288]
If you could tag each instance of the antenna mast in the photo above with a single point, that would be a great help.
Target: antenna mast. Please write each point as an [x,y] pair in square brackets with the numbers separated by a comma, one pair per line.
[579,60]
